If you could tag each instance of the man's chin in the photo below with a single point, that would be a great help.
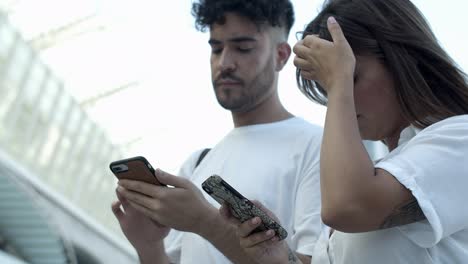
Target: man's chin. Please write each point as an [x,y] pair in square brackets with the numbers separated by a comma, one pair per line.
[233,107]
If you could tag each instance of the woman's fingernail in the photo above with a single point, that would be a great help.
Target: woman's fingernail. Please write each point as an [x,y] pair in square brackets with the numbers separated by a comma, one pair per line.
[255,221]
[332,20]
[270,232]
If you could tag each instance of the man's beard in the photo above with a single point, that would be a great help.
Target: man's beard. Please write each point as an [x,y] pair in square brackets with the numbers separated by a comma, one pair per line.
[250,94]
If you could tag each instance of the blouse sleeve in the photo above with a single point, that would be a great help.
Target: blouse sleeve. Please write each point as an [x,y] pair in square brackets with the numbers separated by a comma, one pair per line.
[433,165]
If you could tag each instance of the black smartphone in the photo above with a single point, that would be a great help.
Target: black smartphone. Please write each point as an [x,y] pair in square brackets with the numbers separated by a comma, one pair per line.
[136,168]
[241,207]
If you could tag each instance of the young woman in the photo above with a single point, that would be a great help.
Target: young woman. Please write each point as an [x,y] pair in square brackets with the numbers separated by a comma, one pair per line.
[383,75]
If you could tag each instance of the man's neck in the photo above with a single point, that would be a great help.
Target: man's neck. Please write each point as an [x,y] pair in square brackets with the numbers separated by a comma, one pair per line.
[269,111]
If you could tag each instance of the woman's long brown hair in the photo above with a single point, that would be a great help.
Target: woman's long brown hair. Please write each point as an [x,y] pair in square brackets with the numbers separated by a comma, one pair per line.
[429,85]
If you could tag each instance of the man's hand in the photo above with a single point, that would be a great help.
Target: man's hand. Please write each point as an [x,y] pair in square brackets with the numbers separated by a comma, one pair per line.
[184,208]
[145,235]
[181,207]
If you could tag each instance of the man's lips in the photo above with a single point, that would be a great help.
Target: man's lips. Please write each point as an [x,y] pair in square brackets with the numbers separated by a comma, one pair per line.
[227,83]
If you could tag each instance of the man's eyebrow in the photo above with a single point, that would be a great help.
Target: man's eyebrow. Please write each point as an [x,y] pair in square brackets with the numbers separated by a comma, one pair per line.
[235,40]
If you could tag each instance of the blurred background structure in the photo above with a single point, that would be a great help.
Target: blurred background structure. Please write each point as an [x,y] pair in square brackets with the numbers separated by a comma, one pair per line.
[83,83]
[54,199]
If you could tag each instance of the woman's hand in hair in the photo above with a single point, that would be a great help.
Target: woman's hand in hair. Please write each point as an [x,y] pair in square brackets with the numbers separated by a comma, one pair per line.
[331,64]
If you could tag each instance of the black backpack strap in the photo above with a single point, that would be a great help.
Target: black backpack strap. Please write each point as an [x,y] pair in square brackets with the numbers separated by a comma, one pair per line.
[202,155]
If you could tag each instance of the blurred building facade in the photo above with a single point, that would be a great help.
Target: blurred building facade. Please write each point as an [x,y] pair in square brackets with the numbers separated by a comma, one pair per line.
[51,149]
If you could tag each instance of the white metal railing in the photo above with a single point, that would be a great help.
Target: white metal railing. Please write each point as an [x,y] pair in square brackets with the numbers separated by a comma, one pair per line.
[46,130]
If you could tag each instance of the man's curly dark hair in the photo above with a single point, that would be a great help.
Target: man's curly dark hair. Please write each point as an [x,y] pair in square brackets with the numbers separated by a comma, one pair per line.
[277,13]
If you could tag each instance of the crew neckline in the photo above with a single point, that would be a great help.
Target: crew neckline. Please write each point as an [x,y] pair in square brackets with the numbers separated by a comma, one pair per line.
[266,125]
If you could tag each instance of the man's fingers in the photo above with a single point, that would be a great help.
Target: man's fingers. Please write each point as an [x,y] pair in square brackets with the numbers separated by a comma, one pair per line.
[134,197]
[148,213]
[119,196]
[140,187]
[141,208]
[153,189]
[117,210]
[335,31]
[169,179]
[116,206]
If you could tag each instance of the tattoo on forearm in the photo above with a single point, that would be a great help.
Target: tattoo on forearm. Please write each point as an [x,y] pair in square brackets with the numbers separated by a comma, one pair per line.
[292,258]
[406,213]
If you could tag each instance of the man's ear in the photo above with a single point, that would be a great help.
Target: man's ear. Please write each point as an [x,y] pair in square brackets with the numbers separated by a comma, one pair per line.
[282,55]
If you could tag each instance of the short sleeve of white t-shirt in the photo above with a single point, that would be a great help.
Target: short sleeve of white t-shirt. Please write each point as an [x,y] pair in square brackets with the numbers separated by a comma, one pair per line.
[433,165]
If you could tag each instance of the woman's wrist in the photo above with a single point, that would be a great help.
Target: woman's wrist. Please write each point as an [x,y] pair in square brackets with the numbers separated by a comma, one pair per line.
[342,88]
[292,257]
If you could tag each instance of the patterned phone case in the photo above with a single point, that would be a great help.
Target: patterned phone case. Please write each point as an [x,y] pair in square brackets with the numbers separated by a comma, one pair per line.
[241,207]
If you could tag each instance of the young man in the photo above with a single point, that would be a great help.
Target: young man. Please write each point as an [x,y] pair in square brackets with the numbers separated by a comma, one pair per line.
[270,155]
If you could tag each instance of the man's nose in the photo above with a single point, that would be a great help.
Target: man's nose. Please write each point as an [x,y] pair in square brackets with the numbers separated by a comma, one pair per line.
[227,61]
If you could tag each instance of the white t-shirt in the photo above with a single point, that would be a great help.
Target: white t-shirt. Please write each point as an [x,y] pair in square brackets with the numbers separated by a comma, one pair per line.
[433,164]
[276,164]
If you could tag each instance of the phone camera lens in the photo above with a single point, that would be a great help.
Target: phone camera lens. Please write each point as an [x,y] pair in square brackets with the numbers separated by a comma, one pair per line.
[207,190]
[119,168]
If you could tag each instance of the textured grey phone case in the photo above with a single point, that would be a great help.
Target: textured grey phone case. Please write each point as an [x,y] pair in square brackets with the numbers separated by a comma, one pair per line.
[241,207]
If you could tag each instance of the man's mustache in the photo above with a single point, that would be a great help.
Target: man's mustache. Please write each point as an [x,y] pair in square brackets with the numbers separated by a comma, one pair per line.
[227,77]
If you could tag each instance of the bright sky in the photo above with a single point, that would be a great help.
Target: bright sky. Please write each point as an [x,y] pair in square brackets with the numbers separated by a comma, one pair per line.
[192,119]
[173,110]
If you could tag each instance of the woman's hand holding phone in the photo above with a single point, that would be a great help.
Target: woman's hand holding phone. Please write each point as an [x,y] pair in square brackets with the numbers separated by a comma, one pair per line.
[265,246]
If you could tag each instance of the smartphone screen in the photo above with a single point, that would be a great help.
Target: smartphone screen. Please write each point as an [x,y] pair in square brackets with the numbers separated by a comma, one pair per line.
[136,168]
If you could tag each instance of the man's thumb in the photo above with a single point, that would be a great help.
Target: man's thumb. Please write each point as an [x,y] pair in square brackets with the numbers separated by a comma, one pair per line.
[169,179]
